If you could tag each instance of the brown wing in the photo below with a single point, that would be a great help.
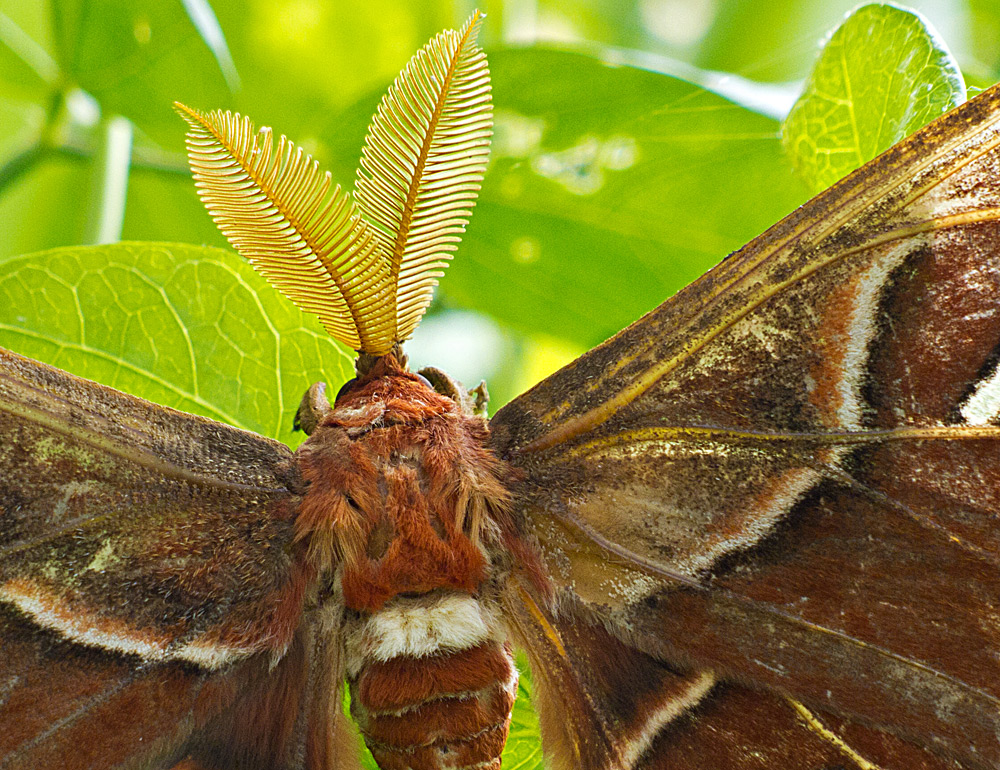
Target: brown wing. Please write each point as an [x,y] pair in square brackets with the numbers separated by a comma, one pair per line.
[148,582]
[606,704]
[789,473]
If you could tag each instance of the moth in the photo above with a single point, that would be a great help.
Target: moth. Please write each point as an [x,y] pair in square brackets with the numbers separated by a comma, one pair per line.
[757,528]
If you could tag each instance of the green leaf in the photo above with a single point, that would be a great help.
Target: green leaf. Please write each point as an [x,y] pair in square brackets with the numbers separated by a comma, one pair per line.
[524,743]
[203,17]
[983,29]
[28,77]
[165,207]
[302,60]
[26,68]
[883,74]
[773,41]
[189,327]
[610,188]
[48,204]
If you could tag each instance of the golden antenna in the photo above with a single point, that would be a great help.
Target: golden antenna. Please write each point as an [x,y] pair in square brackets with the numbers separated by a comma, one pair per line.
[368,268]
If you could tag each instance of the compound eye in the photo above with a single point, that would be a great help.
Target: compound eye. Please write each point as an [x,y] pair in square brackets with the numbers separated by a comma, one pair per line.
[345,388]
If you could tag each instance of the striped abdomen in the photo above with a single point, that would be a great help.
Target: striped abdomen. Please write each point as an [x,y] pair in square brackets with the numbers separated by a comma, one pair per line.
[432,683]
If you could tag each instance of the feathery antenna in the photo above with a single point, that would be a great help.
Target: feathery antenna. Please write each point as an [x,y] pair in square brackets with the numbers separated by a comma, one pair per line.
[423,162]
[368,268]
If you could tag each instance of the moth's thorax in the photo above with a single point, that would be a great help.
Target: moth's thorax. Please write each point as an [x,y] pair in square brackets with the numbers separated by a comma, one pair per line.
[404,506]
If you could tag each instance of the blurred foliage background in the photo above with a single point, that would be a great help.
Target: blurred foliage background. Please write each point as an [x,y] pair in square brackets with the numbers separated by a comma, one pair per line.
[610,187]
[637,143]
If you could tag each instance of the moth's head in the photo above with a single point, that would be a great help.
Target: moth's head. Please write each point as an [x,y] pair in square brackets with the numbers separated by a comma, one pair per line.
[403,499]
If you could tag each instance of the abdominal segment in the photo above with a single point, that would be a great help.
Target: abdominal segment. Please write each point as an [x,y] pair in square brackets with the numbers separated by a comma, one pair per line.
[432,683]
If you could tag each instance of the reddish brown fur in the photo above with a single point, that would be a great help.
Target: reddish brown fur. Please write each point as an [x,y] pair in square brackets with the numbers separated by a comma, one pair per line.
[418,560]
[403,682]
[444,718]
[398,468]
[488,744]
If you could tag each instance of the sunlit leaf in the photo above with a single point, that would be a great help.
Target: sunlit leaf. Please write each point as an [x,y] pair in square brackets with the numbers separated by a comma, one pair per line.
[610,188]
[189,327]
[882,75]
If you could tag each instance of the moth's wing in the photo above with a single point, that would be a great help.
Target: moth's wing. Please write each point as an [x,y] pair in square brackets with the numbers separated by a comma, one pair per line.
[605,704]
[287,716]
[149,580]
[789,473]
[76,708]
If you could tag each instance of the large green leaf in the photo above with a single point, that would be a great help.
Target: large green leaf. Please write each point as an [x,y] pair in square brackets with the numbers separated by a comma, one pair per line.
[882,75]
[189,327]
[610,188]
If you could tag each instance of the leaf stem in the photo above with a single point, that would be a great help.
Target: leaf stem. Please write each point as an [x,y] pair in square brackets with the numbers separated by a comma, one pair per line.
[111,170]
[20,164]
[25,48]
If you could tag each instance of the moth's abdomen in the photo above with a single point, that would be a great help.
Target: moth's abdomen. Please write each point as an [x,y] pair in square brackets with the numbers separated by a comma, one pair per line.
[432,684]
